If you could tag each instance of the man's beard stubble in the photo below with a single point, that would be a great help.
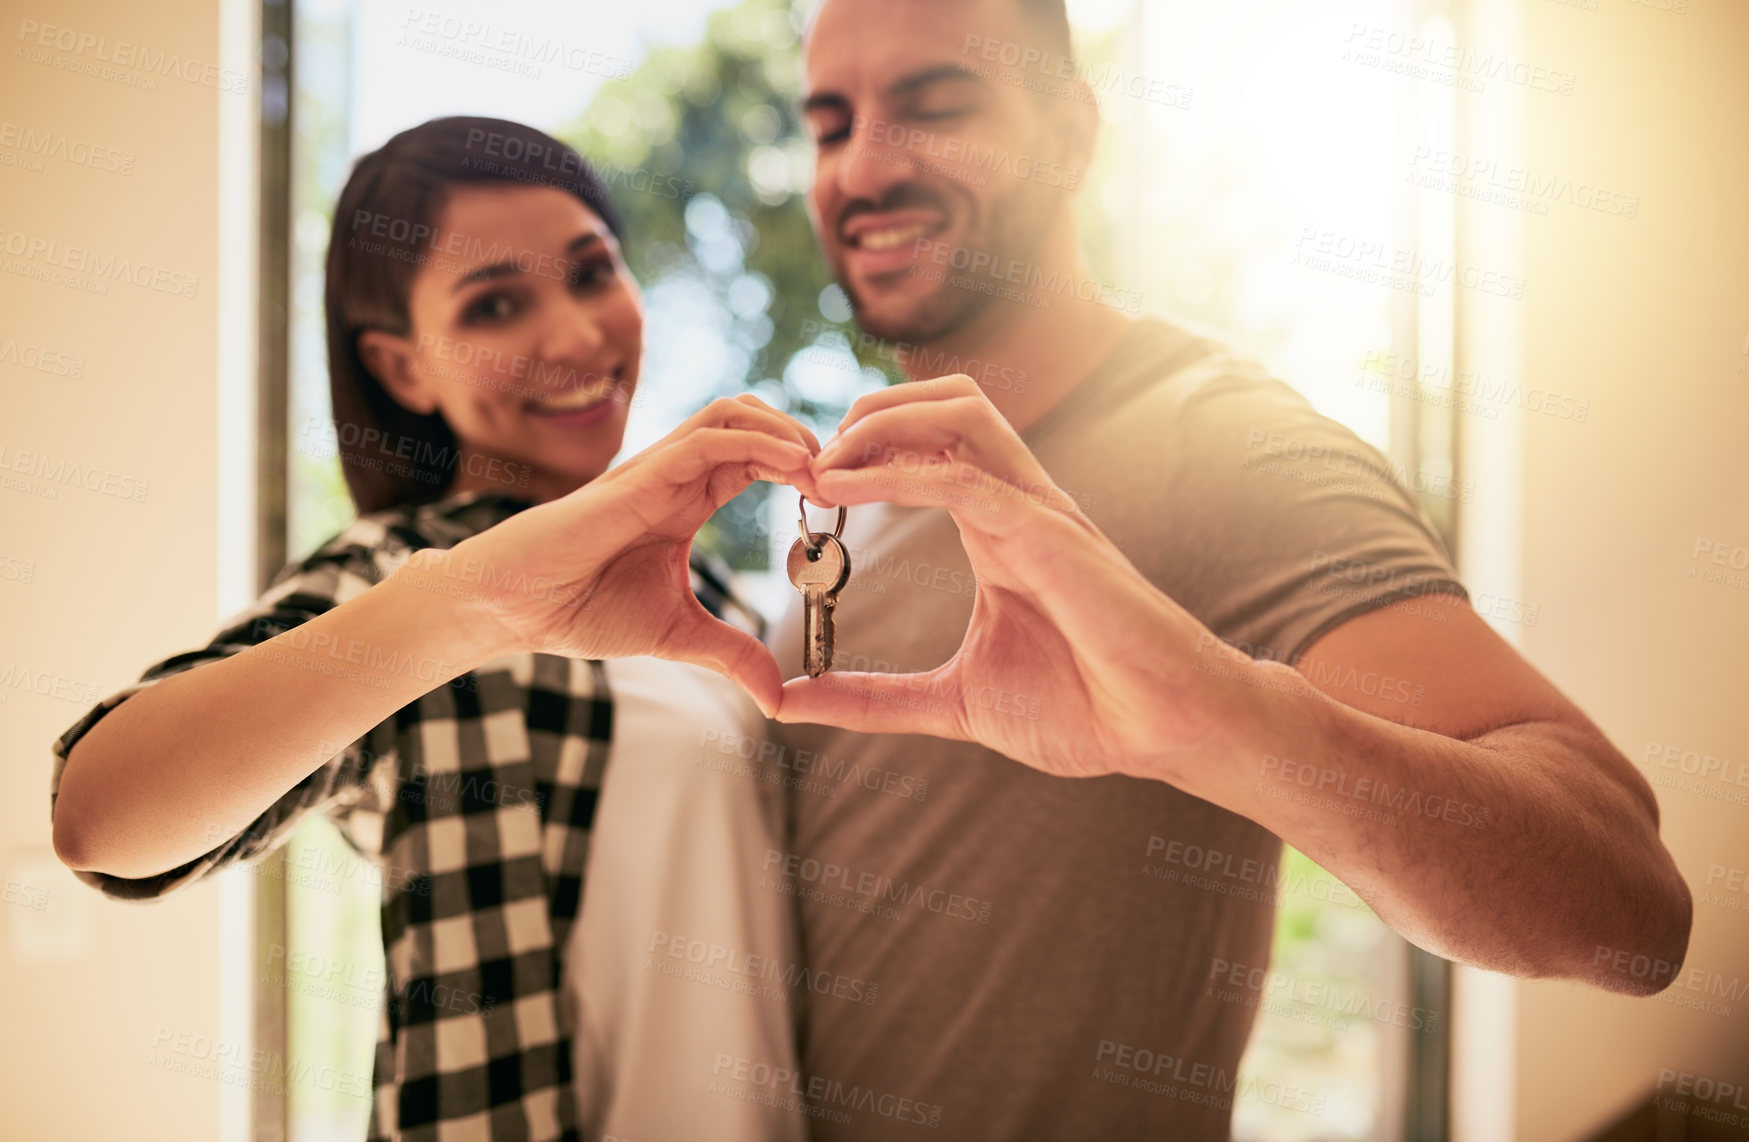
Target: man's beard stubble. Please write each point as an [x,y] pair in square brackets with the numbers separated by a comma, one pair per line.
[1015,228]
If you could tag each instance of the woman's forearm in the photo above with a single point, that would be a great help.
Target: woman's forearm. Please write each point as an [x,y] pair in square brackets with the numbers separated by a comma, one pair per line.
[192,760]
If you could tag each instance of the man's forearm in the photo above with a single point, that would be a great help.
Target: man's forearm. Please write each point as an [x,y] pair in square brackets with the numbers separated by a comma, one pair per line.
[1518,851]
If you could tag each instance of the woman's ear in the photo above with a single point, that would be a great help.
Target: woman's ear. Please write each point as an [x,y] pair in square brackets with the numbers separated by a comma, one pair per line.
[390,360]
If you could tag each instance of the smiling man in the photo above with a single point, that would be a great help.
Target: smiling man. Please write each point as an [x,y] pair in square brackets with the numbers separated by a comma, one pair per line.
[1204,617]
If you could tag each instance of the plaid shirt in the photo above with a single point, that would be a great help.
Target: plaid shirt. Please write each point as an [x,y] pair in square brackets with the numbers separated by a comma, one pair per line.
[478,799]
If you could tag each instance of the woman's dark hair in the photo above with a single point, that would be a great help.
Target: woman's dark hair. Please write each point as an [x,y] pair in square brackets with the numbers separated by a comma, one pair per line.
[384,230]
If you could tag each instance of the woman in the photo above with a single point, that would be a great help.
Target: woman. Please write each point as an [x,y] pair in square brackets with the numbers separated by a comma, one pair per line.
[484,347]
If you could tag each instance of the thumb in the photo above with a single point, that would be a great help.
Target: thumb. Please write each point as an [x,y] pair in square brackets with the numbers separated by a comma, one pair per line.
[712,643]
[926,703]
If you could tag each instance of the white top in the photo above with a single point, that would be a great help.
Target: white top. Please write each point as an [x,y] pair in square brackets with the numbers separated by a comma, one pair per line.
[677,853]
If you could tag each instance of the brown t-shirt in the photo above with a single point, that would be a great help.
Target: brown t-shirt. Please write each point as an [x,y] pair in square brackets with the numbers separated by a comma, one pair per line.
[1040,947]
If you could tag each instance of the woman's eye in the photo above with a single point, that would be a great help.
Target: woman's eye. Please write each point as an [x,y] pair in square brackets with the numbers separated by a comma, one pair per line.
[591,273]
[491,307]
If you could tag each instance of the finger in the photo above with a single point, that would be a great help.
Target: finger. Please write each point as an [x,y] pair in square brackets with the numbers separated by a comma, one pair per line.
[697,455]
[747,411]
[731,652]
[927,703]
[974,497]
[804,433]
[696,475]
[908,436]
[951,387]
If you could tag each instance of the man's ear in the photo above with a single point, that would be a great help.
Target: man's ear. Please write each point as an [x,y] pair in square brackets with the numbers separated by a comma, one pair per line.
[1074,127]
[390,360]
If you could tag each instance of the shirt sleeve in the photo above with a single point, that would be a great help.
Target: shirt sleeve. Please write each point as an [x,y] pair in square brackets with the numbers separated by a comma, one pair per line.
[1308,525]
[340,570]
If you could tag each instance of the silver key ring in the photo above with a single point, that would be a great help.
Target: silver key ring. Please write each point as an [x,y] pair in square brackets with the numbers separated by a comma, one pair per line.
[808,536]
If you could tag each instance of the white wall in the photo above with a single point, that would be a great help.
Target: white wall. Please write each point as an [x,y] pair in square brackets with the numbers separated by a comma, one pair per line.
[1596,523]
[95,585]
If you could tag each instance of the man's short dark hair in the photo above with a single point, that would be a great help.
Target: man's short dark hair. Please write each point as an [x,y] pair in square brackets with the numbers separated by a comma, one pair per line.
[1052,18]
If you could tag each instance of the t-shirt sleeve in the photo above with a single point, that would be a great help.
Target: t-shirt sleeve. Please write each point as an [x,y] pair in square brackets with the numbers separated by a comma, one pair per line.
[340,570]
[1304,525]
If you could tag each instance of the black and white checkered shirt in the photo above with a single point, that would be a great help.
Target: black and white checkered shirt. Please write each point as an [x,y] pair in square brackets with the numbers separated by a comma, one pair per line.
[478,798]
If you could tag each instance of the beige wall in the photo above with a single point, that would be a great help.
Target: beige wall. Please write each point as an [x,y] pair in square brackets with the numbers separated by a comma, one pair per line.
[1595,523]
[99,585]
[1647,318]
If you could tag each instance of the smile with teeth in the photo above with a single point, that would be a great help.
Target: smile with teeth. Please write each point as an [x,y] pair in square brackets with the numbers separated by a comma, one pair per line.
[892,236]
[578,399]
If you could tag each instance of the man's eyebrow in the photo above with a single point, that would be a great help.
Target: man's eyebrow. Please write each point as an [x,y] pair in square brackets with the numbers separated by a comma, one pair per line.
[825,101]
[905,85]
[505,269]
[940,73]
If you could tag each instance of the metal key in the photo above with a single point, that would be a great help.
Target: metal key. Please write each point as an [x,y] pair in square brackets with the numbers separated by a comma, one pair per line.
[819,566]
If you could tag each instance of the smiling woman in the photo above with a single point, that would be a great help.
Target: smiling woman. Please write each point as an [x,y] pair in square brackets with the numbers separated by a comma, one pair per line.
[481,317]
[497,681]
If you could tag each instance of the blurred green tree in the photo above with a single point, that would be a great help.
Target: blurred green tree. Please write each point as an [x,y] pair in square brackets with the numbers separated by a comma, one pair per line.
[708,161]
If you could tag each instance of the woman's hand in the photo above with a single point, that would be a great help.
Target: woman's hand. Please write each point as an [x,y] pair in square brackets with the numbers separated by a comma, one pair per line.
[602,572]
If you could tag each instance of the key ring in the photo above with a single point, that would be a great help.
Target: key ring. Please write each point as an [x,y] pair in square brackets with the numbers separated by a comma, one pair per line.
[808,543]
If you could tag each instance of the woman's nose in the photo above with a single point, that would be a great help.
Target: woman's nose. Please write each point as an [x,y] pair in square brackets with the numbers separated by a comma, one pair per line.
[573,336]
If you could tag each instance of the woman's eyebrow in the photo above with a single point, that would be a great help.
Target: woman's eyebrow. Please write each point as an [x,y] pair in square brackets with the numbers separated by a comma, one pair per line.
[504,269]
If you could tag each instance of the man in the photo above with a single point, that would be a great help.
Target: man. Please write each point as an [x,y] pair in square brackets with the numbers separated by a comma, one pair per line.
[1196,641]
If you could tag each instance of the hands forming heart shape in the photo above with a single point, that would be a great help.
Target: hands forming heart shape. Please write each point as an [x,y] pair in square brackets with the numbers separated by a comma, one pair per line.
[1059,611]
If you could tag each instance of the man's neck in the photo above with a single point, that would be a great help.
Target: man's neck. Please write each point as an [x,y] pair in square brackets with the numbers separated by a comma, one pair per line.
[1026,359]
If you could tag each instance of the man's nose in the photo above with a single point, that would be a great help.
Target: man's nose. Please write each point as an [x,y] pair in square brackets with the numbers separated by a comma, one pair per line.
[876,159]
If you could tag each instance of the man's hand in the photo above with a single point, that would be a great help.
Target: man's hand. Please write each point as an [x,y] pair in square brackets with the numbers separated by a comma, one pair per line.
[1062,623]
[1493,824]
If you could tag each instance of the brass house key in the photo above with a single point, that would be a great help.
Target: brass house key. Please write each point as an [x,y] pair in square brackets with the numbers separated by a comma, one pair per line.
[819,566]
